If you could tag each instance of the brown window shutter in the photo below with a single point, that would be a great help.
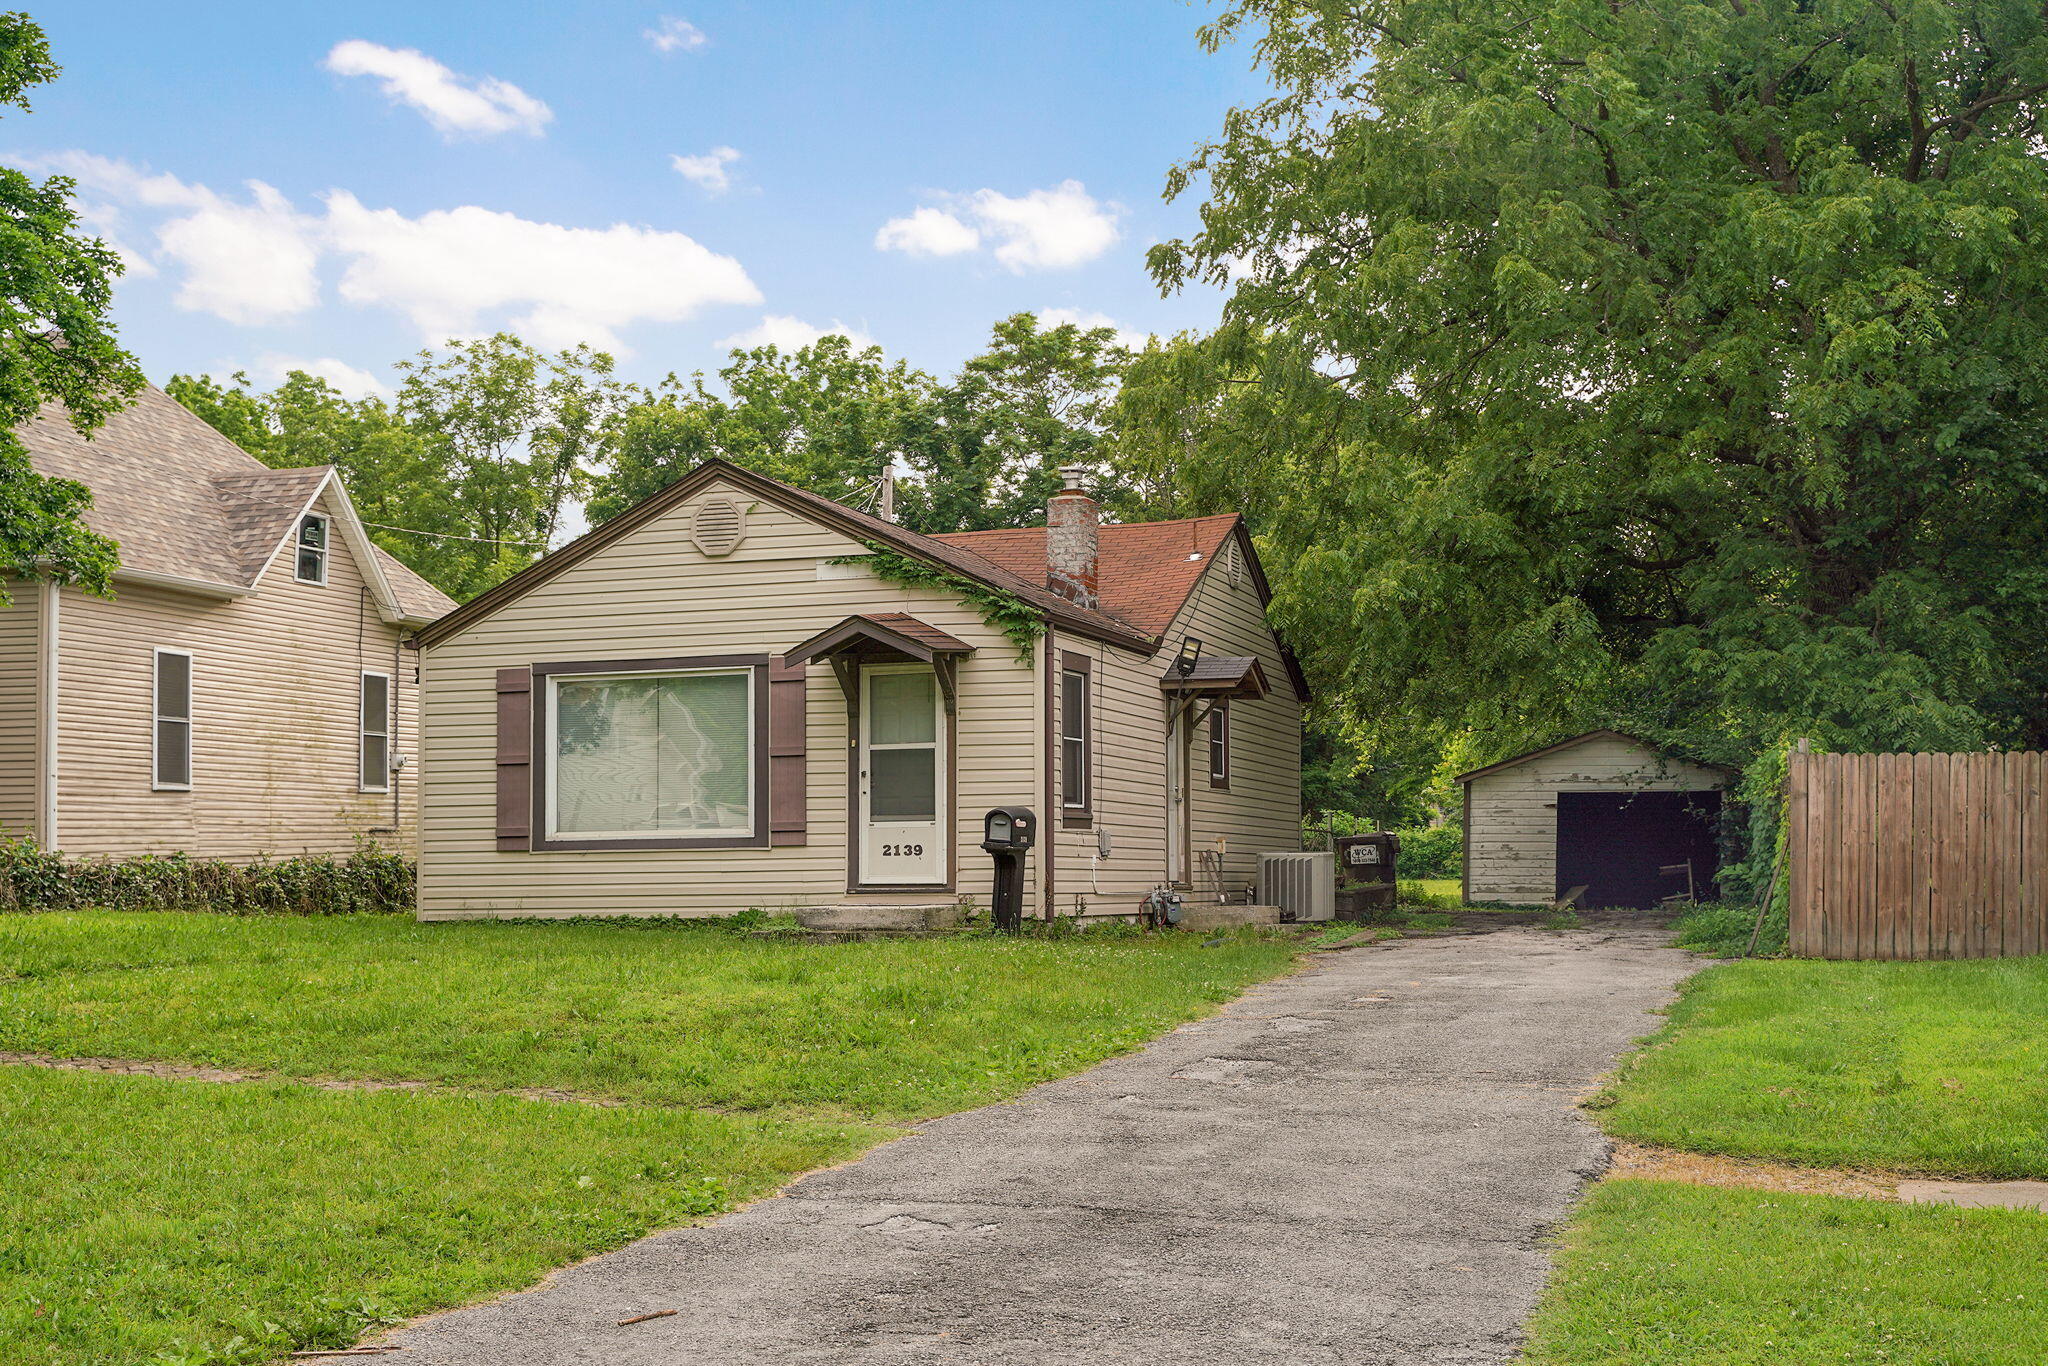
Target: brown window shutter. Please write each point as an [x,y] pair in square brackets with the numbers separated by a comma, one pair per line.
[515,758]
[787,746]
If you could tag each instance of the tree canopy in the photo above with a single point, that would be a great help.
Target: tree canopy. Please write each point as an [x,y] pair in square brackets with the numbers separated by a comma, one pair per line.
[1670,364]
[56,345]
[980,450]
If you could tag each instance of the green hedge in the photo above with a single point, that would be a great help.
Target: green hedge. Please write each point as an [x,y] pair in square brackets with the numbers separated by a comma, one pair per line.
[369,881]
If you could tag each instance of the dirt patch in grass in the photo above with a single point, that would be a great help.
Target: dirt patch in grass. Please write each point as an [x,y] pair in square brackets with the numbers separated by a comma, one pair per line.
[1697,1169]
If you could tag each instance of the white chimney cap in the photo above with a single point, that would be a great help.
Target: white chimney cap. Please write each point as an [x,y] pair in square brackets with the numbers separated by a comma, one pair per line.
[1074,476]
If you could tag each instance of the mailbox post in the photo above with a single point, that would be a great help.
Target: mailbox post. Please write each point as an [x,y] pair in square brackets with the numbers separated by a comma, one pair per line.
[1006,832]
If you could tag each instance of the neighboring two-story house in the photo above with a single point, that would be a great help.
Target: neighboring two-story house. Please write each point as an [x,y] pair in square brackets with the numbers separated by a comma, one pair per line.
[244,693]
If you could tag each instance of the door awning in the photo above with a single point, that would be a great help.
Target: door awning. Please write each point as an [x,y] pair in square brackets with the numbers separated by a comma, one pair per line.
[1217,676]
[881,635]
[885,637]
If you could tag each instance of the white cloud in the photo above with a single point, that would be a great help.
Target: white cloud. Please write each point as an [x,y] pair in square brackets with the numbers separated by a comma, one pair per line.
[1088,321]
[786,333]
[353,381]
[674,35]
[707,171]
[248,263]
[927,232]
[457,105]
[1053,229]
[448,269]
[451,272]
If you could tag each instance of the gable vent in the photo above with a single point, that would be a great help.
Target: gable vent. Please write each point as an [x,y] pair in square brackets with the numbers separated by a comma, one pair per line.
[718,527]
[1233,564]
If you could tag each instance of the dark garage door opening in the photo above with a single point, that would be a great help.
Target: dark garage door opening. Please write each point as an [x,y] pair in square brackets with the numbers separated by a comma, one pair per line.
[1616,842]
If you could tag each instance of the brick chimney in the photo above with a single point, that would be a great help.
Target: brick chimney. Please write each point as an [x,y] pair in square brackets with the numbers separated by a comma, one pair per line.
[1072,539]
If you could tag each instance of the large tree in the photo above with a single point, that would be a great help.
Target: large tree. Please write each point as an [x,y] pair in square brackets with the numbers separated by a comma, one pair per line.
[56,345]
[980,450]
[1669,363]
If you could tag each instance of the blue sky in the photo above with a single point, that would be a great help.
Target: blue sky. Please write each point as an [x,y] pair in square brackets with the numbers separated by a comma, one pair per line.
[339,185]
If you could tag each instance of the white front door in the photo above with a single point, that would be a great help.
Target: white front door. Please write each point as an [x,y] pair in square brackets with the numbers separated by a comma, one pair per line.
[902,777]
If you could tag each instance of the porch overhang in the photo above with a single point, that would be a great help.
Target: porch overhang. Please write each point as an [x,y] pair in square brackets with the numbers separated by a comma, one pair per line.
[871,637]
[1217,678]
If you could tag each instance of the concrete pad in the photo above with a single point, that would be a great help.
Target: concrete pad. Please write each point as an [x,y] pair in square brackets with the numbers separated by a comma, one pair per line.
[1359,1164]
[1977,1194]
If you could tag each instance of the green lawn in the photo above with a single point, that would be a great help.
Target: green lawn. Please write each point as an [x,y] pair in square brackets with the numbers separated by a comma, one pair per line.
[1939,1068]
[1936,1068]
[664,1014]
[144,1220]
[1657,1274]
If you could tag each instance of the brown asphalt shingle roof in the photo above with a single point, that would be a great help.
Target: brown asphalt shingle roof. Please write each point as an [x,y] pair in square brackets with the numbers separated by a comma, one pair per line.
[1144,570]
[183,500]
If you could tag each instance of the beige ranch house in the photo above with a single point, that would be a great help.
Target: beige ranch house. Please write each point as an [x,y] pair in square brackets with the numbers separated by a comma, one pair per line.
[244,692]
[714,702]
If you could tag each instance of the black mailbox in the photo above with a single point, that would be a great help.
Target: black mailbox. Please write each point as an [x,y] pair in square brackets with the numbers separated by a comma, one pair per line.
[1366,872]
[1006,833]
[1009,827]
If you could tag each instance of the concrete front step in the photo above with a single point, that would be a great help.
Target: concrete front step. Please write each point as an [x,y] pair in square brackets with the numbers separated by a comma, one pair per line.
[885,917]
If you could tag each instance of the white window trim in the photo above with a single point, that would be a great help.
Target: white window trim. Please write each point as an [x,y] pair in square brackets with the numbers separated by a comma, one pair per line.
[157,717]
[551,807]
[326,546]
[363,731]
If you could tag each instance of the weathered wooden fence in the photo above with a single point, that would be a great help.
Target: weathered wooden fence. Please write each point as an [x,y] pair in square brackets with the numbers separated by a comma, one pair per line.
[1918,855]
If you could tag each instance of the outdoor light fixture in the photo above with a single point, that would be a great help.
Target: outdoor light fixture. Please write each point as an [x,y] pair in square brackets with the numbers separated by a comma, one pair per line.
[1190,651]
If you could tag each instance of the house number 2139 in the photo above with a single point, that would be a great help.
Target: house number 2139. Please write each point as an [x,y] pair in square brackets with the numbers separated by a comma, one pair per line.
[903,851]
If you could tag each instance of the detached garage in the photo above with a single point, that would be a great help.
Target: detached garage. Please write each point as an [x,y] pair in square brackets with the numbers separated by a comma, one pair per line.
[1601,811]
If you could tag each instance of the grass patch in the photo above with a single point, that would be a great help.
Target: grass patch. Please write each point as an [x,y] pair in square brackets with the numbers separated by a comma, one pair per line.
[1443,894]
[669,1014]
[1939,1068]
[1721,930]
[188,1223]
[1653,1273]
[181,1222]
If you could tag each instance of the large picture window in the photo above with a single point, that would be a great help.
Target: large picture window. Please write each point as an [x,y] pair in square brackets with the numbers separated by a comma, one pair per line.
[654,756]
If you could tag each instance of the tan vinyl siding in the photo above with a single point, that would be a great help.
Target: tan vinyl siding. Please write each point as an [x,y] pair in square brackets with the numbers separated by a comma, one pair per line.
[1511,829]
[20,623]
[653,595]
[1129,787]
[274,729]
[1261,811]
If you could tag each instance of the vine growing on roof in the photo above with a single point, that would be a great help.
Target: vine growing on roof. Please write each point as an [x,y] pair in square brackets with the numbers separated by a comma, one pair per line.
[1020,622]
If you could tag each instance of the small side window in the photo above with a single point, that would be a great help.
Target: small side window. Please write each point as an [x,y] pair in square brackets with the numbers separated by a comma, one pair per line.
[375,751]
[312,550]
[171,742]
[1077,740]
[1219,745]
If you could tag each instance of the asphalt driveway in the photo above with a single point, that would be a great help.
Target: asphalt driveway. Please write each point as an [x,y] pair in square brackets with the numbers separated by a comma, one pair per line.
[1358,1164]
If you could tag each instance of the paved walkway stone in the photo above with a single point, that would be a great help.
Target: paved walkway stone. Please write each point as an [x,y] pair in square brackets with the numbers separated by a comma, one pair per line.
[1357,1164]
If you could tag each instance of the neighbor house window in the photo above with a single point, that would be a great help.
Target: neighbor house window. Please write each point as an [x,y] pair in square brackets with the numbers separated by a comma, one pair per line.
[374,753]
[171,746]
[655,756]
[312,562]
[1219,745]
[1077,739]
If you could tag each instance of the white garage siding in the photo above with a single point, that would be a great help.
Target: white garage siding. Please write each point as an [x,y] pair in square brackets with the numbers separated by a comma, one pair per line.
[1511,812]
